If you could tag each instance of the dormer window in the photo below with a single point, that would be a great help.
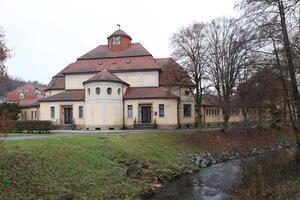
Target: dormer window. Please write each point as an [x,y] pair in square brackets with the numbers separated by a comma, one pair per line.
[116,40]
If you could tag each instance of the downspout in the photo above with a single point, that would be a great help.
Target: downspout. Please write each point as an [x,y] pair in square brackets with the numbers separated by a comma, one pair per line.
[178,108]
[123,106]
[204,115]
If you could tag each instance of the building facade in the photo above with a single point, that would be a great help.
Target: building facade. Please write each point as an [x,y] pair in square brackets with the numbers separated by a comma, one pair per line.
[25,92]
[119,85]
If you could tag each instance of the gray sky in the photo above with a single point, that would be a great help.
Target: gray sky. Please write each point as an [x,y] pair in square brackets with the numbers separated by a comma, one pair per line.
[47,35]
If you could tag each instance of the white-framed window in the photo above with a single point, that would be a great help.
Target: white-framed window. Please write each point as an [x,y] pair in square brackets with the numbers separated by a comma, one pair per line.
[80,112]
[21,96]
[161,110]
[52,112]
[119,91]
[129,111]
[116,40]
[187,110]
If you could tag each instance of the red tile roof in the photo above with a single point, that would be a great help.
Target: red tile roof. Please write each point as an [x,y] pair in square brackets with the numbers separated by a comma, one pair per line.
[105,75]
[57,83]
[102,51]
[29,91]
[119,33]
[29,103]
[68,95]
[147,93]
[172,73]
[116,64]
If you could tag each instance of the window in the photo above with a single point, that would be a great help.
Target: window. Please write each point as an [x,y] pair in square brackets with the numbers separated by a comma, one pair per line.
[187,93]
[52,112]
[24,115]
[187,110]
[80,111]
[21,96]
[119,91]
[129,110]
[161,110]
[116,40]
[98,91]
[109,90]
[32,115]
[88,91]
[35,114]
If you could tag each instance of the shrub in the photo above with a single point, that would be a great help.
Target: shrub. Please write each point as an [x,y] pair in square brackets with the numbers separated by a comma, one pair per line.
[31,126]
[8,115]
[269,177]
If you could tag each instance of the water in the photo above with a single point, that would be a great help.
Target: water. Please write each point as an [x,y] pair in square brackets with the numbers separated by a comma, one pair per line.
[212,183]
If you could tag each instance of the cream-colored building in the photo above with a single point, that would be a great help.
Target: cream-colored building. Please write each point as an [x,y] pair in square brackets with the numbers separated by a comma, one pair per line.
[119,85]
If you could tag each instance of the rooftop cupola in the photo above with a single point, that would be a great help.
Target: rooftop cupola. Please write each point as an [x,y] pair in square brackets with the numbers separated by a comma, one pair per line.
[118,41]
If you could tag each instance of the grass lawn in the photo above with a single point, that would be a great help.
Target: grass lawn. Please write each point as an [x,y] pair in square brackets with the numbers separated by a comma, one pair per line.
[105,167]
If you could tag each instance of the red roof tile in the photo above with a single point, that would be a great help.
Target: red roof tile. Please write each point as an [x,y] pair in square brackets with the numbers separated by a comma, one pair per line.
[29,91]
[29,103]
[119,33]
[116,64]
[172,73]
[57,83]
[68,95]
[102,51]
[105,75]
[147,93]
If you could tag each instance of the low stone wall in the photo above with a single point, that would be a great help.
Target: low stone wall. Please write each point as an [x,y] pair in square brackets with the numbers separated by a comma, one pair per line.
[207,159]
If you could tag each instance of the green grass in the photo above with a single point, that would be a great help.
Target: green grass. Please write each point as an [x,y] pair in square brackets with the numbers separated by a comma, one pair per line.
[97,167]
[89,167]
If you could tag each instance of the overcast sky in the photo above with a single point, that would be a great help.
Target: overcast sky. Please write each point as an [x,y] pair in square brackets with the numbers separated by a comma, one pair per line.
[47,35]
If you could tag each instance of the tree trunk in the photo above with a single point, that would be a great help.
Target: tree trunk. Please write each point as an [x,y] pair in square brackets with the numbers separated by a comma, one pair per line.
[289,56]
[199,122]
[226,119]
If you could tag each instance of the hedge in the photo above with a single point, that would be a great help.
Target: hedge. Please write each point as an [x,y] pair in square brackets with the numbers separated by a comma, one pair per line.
[31,126]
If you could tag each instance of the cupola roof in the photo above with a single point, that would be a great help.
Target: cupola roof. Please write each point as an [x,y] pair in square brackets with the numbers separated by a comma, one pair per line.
[106,76]
[119,33]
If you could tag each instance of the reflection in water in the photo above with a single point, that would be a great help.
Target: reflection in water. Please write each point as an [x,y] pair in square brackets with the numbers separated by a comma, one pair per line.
[212,183]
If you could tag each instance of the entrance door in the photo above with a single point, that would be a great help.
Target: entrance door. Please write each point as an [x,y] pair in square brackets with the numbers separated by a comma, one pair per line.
[68,115]
[146,114]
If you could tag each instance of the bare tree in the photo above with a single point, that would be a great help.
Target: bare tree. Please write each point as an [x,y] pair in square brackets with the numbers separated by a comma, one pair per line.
[229,53]
[190,50]
[4,54]
[274,18]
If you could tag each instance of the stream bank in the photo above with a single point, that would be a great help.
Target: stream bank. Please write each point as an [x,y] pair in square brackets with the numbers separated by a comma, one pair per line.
[220,173]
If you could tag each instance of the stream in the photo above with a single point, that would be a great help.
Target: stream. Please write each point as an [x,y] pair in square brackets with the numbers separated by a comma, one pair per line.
[212,183]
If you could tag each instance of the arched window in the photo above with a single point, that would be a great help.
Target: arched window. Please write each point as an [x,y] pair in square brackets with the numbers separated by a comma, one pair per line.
[21,96]
[119,91]
[97,91]
[88,91]
[109,90]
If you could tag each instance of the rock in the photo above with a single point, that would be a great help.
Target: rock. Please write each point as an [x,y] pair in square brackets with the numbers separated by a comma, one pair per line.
[204,163]
[188,172]
[213,161]
[198,161]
